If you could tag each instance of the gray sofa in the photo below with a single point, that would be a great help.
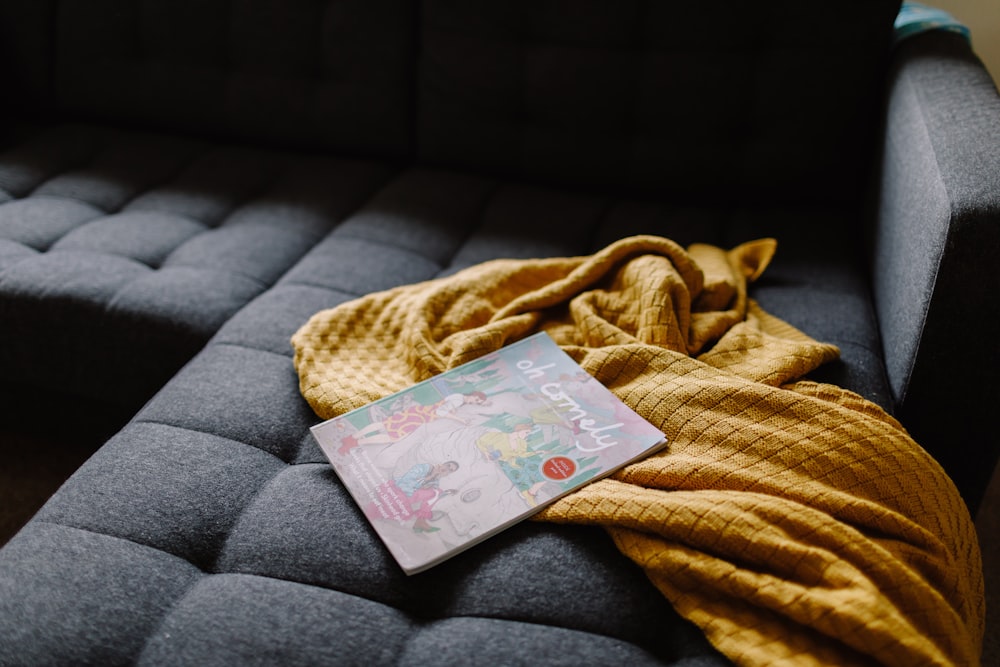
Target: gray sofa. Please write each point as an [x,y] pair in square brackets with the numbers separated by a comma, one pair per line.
[182,184]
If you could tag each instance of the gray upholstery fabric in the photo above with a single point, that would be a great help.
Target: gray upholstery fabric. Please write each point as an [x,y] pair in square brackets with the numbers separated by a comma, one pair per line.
[148,243]
[935,252]
[260,554]
[136,263]
[152,243]
[218,483]
[25,56]
[332,74]
[270,561]
[92,598]
[743,101]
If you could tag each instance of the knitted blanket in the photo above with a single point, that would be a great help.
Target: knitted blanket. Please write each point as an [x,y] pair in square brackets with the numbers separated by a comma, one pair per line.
[792,521]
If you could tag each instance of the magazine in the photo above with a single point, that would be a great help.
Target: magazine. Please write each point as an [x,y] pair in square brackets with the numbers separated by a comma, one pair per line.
[448,462]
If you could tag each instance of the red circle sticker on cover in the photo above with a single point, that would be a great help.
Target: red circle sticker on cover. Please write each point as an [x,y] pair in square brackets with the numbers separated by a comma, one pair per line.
[558,468]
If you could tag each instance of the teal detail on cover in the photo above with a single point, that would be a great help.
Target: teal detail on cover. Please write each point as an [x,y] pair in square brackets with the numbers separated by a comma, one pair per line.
[915,19]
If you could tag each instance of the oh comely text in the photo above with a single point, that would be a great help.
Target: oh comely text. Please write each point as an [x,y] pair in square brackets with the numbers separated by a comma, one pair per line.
[572,410]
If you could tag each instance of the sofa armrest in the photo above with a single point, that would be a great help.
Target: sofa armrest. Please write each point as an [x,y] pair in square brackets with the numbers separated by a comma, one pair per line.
[936,253]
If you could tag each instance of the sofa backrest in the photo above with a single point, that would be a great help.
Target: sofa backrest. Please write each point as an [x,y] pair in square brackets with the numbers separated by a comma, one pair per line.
[775,101]
[328,74]
[772,100]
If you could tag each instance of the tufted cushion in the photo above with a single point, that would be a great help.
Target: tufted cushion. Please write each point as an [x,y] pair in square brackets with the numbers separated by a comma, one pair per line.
[212,530]
[122,253]
[149,244]
[759,101]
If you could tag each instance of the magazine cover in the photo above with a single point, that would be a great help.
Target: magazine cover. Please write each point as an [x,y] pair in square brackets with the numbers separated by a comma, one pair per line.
[446,463]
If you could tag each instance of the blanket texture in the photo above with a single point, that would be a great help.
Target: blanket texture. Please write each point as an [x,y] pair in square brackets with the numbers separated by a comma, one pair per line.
[794,522]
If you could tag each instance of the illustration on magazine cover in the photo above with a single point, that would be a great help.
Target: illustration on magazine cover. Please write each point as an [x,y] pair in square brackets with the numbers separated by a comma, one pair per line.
[443,464]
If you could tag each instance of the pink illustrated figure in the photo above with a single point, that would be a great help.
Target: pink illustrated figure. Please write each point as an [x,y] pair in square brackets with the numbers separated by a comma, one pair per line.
[413,494]
[403,422]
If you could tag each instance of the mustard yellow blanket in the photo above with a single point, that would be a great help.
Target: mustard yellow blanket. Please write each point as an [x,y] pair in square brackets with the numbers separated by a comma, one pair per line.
[794,522]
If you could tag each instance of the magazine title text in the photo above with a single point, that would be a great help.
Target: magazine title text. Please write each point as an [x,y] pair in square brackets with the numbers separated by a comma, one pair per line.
[570,408]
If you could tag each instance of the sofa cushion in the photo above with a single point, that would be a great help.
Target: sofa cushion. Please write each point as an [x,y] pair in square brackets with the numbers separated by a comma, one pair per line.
[641,95]
[218,488]
[334,74]
[122,253]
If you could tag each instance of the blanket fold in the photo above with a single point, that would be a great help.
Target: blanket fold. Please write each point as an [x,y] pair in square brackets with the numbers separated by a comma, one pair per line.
[787,519]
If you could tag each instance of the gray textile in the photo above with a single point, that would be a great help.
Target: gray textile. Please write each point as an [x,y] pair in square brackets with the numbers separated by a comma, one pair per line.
[266,557]
[331,75]
[935,252]
[217,484]
[149,244]
[685,100]
[174,205]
